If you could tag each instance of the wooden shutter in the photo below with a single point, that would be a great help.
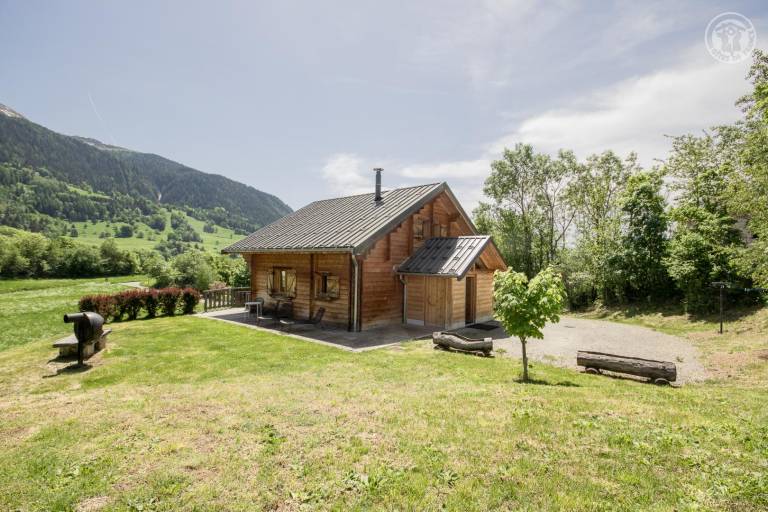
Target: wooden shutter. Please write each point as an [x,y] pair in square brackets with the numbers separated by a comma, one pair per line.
[333,287]
[290,283]
[271,282]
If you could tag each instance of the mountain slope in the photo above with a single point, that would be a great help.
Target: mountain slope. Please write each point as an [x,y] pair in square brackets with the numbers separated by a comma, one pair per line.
[111,169]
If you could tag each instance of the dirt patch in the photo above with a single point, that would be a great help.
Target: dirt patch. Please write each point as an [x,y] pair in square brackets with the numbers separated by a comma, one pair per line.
[92,504]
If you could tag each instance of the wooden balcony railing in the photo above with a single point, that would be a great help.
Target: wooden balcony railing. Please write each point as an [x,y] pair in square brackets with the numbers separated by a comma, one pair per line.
[225,297]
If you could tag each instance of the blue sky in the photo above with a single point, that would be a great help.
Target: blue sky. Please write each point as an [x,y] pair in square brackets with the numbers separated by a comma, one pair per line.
[301,99]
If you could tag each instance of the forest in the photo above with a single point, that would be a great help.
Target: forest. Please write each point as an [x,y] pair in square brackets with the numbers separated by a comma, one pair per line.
[620,233]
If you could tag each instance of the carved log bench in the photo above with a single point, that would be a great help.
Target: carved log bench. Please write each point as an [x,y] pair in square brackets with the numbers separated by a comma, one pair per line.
[659,372]
[453,341]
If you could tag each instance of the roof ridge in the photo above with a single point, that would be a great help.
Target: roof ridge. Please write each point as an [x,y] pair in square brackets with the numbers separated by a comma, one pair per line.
[372,193]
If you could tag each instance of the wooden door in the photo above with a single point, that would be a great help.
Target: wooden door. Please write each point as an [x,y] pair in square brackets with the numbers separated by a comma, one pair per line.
[471,300]
[434,307]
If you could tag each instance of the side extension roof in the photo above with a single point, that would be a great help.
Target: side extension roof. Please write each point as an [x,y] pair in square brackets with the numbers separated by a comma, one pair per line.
[445,256]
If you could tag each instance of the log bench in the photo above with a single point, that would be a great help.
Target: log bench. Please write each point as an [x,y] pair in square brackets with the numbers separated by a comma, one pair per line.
[453,341]
[68,346]
[659,372]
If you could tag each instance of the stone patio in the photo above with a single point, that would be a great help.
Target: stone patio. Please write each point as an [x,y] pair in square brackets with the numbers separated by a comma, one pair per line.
[332,336]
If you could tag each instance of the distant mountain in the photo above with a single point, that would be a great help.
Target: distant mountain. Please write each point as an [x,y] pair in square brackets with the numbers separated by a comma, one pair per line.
[112,170]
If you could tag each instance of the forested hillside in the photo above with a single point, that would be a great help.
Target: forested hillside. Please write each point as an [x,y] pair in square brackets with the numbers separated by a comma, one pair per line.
[132,179]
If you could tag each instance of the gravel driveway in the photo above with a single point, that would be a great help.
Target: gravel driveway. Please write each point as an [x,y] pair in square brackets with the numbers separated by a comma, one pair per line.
[562,341]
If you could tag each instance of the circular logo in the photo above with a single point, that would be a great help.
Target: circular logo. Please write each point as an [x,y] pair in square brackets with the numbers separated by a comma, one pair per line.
[730,37]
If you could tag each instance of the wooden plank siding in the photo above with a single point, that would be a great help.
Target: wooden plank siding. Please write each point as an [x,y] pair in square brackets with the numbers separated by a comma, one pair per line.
[458,303]
[484,310]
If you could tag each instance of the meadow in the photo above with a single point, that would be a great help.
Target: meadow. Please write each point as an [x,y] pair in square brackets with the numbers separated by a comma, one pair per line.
[89,233]
[188,413]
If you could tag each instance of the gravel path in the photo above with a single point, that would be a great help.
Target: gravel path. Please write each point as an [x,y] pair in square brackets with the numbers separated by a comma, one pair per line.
[562,341]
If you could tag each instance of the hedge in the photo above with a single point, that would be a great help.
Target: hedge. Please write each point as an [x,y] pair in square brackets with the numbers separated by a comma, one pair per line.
[130,303]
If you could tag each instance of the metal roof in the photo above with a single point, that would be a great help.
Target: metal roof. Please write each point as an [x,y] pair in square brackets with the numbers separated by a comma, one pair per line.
[445,256]
[350,223]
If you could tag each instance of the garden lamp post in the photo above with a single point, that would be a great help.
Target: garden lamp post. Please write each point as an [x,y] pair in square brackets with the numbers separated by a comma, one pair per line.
[721,285]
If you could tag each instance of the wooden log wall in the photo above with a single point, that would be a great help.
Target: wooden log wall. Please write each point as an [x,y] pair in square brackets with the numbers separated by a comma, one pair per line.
[305,264]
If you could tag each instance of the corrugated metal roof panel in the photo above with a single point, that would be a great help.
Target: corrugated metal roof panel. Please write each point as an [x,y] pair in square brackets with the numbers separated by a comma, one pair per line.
[450,257]
[344,223]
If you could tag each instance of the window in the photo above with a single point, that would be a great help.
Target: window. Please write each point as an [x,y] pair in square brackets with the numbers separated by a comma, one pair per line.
[326,286]
[418,228]
[282,282]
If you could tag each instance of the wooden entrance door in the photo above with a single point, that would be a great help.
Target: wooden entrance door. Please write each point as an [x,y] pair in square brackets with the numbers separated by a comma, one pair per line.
[434,307]
[471,300]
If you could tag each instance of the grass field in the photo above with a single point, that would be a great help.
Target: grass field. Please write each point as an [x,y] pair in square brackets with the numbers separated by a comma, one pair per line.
[32,309]
[187,413]
[88,232]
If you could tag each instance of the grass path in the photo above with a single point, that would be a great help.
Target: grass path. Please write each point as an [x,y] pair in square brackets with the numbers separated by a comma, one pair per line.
[187,413]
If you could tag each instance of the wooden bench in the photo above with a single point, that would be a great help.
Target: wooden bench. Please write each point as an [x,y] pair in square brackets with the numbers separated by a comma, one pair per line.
[453,341]
[659,372]
[68,346]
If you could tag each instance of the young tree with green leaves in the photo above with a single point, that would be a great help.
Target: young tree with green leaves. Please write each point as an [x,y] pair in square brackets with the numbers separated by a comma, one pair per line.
[523,307]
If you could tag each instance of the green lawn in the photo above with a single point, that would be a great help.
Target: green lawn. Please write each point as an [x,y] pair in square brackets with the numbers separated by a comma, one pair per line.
[193,414]
[32,309]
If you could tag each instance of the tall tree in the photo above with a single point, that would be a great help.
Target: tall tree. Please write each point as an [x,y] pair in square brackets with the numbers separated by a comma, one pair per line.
[594,197]
[704,240]
[530,215]
[644,236]
[749,187]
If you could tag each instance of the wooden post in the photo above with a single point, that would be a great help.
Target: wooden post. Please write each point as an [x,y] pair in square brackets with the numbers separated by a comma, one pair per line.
[721,310]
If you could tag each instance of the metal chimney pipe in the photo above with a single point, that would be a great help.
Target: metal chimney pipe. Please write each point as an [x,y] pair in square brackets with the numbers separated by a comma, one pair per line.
[378,170]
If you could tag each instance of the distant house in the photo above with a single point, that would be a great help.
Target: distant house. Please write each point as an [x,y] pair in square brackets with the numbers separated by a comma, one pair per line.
[409,255]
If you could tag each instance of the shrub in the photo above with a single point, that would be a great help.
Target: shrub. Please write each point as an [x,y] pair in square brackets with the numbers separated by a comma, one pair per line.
[121,306]
[104,305]
[189,298]
[132,301]
[169,300]
[151,302]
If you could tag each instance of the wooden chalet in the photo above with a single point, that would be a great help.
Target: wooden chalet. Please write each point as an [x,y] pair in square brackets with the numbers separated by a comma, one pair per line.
[408,255]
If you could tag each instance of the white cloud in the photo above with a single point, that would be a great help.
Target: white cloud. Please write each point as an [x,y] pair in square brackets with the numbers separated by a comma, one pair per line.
[636,114]
[343,172]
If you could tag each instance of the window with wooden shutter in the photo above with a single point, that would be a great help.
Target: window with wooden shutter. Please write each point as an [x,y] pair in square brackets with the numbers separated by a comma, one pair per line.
[418,228]
[281,282]
[326,286]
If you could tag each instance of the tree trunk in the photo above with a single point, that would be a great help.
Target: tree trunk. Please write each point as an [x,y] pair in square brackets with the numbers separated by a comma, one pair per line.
[525,361]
